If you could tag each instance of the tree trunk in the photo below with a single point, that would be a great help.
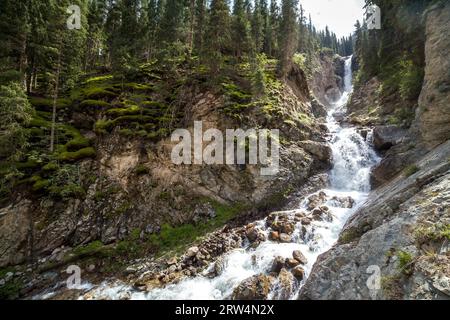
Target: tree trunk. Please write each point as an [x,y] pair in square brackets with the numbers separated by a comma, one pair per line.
[55,99]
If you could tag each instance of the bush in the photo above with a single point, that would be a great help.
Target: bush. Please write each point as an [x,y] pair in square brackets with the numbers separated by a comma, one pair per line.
[77,155]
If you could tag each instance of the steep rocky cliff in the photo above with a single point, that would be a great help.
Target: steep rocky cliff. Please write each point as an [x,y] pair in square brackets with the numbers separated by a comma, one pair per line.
[136,201]
[396,246]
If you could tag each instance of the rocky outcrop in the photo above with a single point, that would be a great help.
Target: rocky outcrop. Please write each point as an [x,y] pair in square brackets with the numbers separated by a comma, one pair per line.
[327,84]
[255,288]
[433,116]
[392,235]
[385,137]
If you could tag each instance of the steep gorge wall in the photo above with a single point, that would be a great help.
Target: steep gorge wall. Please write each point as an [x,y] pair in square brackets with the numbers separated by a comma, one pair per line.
[402,229]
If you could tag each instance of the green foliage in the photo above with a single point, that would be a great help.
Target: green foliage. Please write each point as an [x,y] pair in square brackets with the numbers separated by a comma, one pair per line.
[84,153]
[11,289]
[15,114]
[77,144]
[437,232]
[172,238]
[411,79]
[95,104]
[405,260]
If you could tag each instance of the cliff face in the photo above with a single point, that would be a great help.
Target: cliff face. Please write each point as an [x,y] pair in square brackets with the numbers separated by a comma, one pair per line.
[132,186]
[396,245]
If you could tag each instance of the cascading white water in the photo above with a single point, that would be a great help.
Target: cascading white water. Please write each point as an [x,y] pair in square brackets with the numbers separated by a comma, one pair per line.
[352,160]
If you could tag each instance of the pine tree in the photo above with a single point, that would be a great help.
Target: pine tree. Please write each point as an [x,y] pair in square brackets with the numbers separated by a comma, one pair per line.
[240,30]
[288,35]
[218,35]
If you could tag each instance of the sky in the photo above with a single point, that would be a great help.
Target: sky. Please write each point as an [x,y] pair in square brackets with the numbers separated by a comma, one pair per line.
[339,15]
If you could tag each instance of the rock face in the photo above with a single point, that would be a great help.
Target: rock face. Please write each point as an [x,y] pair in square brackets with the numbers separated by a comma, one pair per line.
[119,198]
[328,81]
[434,108]
[255,288]
[385,137]
[14,230]
[393,232]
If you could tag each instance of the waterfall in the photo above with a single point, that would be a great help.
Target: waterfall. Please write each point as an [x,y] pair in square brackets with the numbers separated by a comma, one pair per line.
[353,158]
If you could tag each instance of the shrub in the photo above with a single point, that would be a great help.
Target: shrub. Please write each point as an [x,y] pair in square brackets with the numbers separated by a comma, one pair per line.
[411,79]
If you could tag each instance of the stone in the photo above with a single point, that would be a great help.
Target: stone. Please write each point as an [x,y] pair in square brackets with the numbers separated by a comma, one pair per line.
[343,202]
[316,200]
[274,235]
[298,255]
[385,137]
[291,263]
[257,287]
[284,285]
[172,261]
[285,238]
[192,252]
[322,151]
[298,272]
[278,264]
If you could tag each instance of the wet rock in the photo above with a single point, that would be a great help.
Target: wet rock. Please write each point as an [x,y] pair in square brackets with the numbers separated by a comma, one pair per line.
[283,227]
[306,221]
[278,264]
[255,288]
[285,238]
[298,272]
[298,255]
[172,261]
[254,234]
[291,263]
[316,200]
[285,285]
[343,202]
[274,236]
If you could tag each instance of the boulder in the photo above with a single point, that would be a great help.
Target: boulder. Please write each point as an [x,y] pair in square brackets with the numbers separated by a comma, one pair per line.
[385,137]
[317,200]
[284,286]
[254,288]
[298,255]
[291,263]
[343,202]
[298,272]
[278,264]
[274,236]
[321,151]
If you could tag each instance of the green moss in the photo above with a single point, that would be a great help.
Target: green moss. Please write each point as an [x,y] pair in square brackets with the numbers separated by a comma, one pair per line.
[102,126]
[137,86]
[11,289]
[51,166]
[99,93]
[77,155]
[349,236]
[99,79]
[40,185]
[410,170]
[97,104]
[77,144]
